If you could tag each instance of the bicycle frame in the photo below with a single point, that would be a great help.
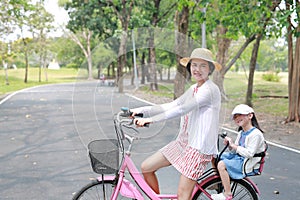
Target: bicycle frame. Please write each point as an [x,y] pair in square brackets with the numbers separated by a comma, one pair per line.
[129,190]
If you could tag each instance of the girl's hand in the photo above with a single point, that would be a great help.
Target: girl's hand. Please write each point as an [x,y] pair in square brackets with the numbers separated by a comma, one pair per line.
[231,143]
[227,140]
[140,122]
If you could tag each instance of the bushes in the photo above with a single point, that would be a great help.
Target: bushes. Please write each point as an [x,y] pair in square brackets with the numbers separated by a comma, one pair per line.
[271,76]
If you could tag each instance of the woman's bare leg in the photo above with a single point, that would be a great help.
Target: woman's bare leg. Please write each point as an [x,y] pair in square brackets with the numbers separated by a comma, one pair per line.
[185,188]
[150,166]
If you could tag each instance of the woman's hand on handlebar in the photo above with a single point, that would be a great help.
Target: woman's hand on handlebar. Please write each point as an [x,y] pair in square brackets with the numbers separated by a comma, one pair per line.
[141,122]
[134,113]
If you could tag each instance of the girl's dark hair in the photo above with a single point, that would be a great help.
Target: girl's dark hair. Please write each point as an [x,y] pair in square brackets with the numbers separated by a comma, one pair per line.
[210,64]
[254,123]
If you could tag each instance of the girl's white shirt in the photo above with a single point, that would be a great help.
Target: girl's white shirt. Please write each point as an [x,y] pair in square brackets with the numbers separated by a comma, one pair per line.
[254,143]
[202,108]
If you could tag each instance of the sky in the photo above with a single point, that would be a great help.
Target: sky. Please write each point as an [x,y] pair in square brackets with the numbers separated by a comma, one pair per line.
[60,18]
[60,15]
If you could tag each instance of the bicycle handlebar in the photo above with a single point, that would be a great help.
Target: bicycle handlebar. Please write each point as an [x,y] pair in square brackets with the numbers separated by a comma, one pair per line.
[125,119]
[125,112]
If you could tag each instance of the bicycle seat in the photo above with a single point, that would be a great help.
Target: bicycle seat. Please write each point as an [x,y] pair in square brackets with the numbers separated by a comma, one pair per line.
[258,168]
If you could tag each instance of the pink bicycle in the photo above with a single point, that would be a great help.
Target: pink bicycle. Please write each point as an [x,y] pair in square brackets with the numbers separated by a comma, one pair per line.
[104,155]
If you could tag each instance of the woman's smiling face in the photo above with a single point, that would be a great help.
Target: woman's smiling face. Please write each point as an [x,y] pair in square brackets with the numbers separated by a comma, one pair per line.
[200,70]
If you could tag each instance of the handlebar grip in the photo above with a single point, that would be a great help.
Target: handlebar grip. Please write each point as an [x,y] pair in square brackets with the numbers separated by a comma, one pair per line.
[145,125]
[128,113]
[138,114]
[224,134]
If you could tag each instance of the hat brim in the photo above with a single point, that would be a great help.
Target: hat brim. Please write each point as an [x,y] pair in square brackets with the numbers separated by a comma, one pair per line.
[185,61]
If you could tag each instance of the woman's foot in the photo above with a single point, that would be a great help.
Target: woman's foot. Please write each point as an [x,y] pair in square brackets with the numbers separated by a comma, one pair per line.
[221,196]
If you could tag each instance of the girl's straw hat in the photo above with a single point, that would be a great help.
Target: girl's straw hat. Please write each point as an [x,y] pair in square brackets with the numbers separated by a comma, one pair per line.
[200,53]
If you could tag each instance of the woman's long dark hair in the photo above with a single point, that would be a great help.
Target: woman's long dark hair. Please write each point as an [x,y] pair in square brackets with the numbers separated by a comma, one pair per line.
[254,123]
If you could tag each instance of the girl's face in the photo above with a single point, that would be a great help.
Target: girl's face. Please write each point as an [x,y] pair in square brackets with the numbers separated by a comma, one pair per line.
[243,120]
[200,70]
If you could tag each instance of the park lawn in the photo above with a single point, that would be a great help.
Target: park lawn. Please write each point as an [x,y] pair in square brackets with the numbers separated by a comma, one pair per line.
[16,78]
[235,85]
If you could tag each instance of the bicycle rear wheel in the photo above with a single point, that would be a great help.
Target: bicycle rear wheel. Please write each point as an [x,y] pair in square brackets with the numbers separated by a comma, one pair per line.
[97,190]
[240,189]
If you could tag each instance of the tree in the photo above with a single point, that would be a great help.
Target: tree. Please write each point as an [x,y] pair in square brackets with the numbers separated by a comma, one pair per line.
[89,19]
[253,23]
[157,15]
[293,30]
[40,24]
[12,18]
[261,32]
[182,24]
[123,11]
[4,54]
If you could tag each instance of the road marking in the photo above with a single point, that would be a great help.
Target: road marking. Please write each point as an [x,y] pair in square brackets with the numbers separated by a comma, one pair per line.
[271,143]
[227,129]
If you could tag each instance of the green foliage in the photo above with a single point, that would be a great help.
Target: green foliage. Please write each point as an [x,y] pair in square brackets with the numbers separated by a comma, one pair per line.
[271,76]
[94,15]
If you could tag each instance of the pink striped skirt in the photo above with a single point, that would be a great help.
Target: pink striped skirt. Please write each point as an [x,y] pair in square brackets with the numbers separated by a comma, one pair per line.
[187,160]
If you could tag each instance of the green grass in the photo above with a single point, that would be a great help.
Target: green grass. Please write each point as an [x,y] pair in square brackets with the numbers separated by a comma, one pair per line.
[235,85]
[16,78]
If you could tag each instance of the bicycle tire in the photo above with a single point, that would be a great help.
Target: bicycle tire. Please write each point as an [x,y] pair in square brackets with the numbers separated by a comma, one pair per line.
[97,190]
[241,190]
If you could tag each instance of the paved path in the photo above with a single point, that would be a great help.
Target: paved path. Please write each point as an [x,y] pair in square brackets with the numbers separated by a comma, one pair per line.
[44,132]
[43,136]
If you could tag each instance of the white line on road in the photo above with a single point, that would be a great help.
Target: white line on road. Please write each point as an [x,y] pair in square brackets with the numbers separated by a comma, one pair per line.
[230,130]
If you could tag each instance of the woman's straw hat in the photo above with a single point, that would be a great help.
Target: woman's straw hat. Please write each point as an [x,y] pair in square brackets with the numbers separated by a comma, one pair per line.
[200,53]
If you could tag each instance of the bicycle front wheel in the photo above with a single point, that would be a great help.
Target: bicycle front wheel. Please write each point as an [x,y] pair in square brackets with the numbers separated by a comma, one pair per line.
[97,190]
[240,189]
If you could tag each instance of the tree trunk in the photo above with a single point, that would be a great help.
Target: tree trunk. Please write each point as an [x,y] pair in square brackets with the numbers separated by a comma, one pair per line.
[294,79]
[124,13]
[152,62]
[143,68]
[5,66]
[26,60]
[89,55]
[252,69]
[181,47]
[152,55]
[26,66]
[222,58]
[121,62]
[41,66]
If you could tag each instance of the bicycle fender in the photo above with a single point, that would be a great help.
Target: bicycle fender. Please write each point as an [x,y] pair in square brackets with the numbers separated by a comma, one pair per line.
[130,191]
[127,188]
[252,184]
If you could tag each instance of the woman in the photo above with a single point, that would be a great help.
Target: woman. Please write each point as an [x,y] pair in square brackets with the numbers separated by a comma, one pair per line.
[249,141]
[196,142]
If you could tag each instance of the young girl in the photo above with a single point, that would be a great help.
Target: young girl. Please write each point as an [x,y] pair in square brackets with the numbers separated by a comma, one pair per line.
[249,141]
[196,142]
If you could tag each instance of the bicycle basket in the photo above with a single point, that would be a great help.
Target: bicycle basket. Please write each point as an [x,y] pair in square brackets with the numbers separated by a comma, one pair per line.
[104,155]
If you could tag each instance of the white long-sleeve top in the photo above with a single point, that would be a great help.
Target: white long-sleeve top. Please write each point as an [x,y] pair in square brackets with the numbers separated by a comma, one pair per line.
[202,105]
[254,143]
